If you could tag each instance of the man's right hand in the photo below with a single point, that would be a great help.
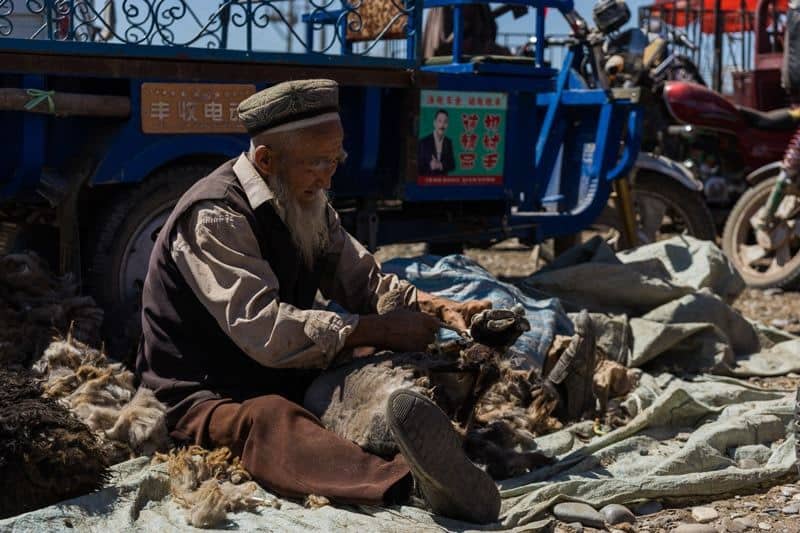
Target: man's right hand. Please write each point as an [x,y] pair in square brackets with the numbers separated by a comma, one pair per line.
[400,330]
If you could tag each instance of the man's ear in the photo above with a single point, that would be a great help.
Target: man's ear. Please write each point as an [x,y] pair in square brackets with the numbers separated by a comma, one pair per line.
[264,160]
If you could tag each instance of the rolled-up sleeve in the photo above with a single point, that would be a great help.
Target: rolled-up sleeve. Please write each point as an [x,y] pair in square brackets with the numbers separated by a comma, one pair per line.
[358,282]
[218,255]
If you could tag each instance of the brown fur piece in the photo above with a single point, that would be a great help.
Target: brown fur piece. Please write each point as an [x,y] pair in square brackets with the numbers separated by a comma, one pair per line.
[611,380]
[351,400]
[475,390]
[210,484]
[208,506]
[46,454]
[142,424]
[102,395]
[313,501]
[34,303]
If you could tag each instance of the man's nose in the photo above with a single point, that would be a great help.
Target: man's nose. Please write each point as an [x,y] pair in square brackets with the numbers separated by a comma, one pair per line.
[325,179]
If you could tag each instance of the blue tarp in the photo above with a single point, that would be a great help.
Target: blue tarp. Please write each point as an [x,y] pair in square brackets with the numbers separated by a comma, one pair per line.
[460,278]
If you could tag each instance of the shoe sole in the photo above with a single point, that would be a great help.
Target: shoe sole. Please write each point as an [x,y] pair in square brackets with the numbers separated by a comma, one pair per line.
[454,486]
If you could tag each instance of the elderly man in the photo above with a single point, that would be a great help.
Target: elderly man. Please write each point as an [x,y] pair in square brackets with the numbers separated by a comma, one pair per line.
[231,338]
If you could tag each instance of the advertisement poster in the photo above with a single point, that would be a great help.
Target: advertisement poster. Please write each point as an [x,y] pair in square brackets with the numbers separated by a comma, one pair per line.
[461,138]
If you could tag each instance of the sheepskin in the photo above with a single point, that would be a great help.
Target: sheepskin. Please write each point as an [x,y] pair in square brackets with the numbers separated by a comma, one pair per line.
[498,419]
[102,395]
[46,454]
[314,501]
[498,409]
[209,484]
[34,304]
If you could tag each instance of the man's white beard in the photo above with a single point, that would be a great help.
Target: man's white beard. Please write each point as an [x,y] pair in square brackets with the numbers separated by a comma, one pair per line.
[308,225]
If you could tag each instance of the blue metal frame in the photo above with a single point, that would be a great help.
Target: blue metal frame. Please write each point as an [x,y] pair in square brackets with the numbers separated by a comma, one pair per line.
[154,28]
[554,123]
[564,6]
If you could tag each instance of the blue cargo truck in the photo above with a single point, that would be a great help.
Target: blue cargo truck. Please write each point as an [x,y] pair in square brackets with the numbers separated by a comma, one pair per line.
[110,110]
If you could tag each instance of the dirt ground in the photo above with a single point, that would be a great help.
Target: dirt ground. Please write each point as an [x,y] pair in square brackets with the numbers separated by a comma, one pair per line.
[768,509]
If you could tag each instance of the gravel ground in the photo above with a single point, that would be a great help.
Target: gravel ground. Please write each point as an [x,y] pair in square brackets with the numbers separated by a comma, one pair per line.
[769,509]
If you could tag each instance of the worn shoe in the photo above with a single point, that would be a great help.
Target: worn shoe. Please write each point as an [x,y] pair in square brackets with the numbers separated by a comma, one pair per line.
[452,485]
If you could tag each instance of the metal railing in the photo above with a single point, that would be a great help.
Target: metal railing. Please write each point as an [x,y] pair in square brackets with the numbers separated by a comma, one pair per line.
[247,26]
[554,54]
[734,52]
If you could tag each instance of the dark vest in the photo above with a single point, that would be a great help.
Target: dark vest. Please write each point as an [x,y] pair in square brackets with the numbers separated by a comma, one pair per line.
[184,355]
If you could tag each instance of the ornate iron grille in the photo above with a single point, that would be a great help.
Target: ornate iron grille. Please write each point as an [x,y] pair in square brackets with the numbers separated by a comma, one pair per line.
[231,24]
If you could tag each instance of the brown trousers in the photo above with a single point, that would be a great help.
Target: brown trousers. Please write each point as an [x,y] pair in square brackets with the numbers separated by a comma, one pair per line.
[287,450]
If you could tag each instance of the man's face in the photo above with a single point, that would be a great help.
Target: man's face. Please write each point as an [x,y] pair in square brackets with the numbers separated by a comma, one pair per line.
[440,123]
[308,163]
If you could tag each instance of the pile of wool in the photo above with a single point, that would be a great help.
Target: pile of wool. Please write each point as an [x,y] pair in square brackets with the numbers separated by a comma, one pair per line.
[467,383]
[34,303]
[46,454]
[210,484]
[498,408]
[101,393]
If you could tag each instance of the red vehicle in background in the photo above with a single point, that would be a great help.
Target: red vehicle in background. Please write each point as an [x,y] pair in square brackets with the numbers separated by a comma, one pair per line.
[724,144]
[726,140]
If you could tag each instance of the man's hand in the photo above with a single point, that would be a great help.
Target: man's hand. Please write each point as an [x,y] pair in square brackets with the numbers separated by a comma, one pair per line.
[400,330]
[455,314]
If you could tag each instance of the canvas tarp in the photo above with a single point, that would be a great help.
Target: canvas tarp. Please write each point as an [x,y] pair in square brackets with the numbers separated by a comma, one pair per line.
[695,435]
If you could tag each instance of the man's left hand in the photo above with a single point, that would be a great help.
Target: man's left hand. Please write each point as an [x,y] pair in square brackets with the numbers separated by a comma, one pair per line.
[455,314]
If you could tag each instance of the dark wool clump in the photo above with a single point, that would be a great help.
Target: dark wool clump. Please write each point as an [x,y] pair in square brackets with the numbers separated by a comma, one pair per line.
[46,454]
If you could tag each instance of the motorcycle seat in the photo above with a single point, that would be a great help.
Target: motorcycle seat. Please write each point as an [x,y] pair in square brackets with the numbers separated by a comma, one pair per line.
[776,120]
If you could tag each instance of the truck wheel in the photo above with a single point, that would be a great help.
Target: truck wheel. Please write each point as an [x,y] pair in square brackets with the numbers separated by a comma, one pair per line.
[761,267]
[119,245]
[663,207]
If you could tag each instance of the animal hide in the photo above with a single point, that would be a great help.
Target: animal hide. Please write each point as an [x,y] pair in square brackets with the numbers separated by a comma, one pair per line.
[46,454]
[102,395]
[351,401]
[210,484]
[313,501]
[498,409]
[34,303]
[75,412]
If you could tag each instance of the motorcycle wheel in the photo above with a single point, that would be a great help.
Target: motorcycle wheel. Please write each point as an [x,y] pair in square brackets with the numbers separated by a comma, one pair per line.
[663,207]
[760,267]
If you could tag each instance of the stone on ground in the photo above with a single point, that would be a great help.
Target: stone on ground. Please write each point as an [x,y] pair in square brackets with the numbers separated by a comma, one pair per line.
[704,514]
[578,512]
[617,514]
[695,528]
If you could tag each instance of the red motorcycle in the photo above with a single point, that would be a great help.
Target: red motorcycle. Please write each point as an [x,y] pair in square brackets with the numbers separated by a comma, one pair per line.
[725,146]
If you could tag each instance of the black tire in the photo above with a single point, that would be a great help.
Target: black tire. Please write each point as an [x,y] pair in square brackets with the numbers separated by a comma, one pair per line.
[120,235]
[736,232]
[692,215]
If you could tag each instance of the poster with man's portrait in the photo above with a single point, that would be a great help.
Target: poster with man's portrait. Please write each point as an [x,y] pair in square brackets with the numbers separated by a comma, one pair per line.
[461,138]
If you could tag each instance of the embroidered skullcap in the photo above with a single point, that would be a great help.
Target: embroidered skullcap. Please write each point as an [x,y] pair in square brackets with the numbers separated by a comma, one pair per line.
[290,105]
